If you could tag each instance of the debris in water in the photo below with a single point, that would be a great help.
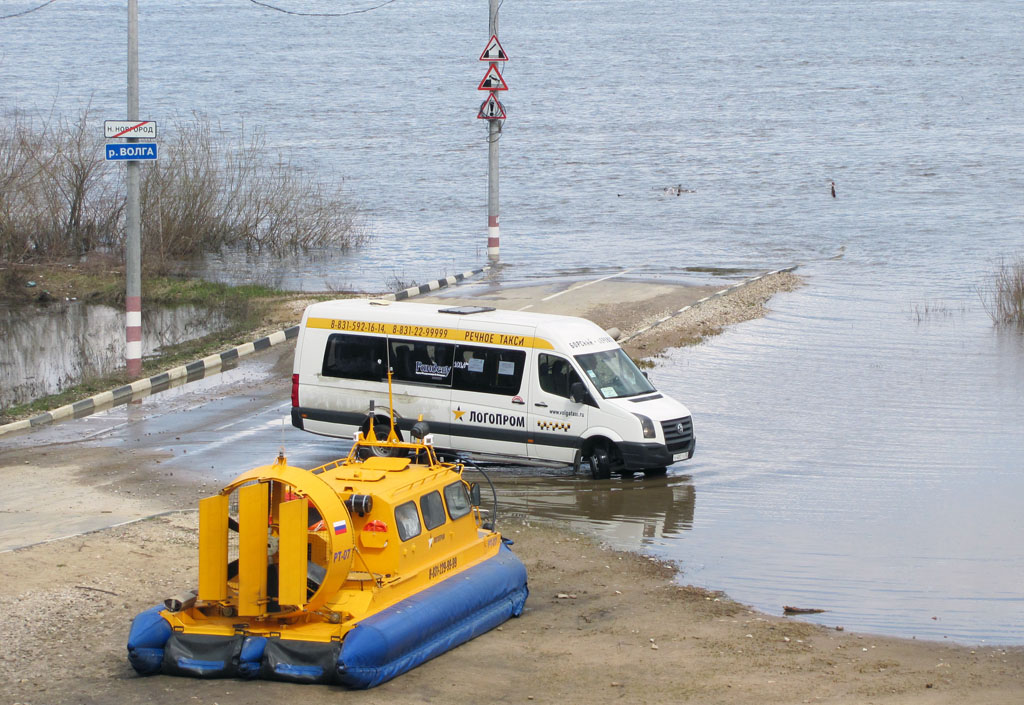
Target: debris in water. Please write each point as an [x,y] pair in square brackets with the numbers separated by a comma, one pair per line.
[801,610]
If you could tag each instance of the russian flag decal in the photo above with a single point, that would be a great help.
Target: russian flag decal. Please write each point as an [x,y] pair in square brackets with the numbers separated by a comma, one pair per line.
[340,527]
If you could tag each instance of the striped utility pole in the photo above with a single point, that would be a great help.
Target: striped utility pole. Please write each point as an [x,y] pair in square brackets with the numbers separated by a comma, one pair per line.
[493,135]
[133,250]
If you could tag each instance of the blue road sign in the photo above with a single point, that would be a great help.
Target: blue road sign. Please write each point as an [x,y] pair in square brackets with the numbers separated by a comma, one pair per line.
[131,151]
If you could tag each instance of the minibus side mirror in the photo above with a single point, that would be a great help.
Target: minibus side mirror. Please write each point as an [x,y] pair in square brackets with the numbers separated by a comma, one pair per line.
[474,494]
[578,393]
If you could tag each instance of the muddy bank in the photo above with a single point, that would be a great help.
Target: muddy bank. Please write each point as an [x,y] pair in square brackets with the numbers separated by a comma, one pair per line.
[600,627]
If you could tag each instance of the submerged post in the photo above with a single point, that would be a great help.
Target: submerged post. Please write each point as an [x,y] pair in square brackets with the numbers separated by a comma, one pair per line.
[133,249]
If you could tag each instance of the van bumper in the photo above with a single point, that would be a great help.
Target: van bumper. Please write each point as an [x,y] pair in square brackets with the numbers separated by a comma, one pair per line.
[637,456]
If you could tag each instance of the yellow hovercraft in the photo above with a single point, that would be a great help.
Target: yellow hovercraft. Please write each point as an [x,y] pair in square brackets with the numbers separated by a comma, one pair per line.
[351,573]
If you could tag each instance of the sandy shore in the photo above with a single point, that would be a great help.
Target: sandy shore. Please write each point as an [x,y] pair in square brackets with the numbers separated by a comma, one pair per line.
[600,626]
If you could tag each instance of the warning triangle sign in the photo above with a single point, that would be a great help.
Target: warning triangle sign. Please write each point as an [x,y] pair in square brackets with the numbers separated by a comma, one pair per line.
[493,81]
[494,51]
[491,109]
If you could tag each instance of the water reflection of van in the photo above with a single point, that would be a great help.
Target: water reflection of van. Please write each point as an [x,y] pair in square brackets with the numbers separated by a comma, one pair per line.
[491,383]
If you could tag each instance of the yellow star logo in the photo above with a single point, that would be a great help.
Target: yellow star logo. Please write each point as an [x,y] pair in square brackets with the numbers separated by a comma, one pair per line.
[458,413]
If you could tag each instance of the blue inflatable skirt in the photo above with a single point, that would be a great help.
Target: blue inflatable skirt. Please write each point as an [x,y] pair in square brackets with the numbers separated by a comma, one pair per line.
[376,650]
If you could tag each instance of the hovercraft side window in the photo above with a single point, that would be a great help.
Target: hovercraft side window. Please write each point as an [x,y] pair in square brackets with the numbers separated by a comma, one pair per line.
[458,500]
[433,510]
[408,521]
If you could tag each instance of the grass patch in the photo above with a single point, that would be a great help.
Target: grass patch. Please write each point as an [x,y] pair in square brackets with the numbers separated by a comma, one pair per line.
[99,284]
[1004,298]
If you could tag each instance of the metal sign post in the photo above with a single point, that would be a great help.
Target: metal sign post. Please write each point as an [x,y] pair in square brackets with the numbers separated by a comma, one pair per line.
[494,112]
[133,216]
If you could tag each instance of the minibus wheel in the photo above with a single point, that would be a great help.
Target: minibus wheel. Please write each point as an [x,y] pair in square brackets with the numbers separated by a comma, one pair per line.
[600,462]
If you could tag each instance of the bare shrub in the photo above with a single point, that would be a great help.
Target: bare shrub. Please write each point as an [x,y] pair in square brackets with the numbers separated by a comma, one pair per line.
[1004,298]
[397,282]
[59,198]
[206,194]
[21,203]
[56,200]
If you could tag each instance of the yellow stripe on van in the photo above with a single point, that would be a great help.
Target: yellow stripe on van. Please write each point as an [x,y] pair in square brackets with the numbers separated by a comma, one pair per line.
[433,332]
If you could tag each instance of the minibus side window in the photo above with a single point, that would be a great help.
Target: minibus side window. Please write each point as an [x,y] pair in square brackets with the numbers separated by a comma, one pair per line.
[433,509]
[408,521]
[422,362]
[354,357]
[458,500]
[489,370]
[556,374]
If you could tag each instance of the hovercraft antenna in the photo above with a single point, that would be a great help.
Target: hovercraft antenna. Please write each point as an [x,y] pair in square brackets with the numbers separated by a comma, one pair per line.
[280,452]
[392,436]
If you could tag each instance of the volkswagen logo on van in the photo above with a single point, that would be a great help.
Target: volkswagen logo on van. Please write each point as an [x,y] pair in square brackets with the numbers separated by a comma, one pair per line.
[680,428]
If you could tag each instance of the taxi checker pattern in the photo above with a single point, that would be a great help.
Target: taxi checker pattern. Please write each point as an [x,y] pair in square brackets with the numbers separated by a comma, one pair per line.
[553,425]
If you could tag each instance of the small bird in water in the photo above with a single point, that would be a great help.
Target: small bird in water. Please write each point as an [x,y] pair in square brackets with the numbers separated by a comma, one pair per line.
[833,189]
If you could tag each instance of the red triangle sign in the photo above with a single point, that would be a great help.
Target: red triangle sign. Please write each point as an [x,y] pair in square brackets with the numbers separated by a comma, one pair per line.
[491,109]
[493,81]
[494,51]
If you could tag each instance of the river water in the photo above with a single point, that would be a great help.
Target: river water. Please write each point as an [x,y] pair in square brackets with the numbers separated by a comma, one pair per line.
[860,449]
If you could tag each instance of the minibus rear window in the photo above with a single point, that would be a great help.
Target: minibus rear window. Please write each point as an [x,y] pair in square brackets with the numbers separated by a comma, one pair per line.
[488,370]
[354,357]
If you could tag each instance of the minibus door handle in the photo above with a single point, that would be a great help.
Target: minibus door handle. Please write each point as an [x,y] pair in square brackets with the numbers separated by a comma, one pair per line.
[541,403]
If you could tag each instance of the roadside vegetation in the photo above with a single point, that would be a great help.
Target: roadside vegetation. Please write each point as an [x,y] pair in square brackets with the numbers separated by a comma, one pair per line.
[61,201]
[63,230]
[1004,298]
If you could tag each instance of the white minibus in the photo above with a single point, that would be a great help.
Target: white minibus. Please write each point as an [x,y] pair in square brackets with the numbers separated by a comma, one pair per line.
[492,384]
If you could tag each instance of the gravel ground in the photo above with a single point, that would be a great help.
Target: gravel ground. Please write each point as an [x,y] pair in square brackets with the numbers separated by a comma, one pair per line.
[600,627]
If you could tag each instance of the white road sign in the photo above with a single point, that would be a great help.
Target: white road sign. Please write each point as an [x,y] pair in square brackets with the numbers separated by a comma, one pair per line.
[129,128]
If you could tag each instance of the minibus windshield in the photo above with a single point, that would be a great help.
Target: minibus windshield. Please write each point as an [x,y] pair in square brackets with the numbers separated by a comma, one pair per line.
[613,374]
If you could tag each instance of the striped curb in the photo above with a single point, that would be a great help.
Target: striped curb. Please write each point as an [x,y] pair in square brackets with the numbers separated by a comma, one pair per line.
[723,292]
[434,285]
[200,368]
[157,383]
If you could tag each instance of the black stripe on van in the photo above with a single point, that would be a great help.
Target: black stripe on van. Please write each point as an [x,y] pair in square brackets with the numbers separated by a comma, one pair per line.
[457,429]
